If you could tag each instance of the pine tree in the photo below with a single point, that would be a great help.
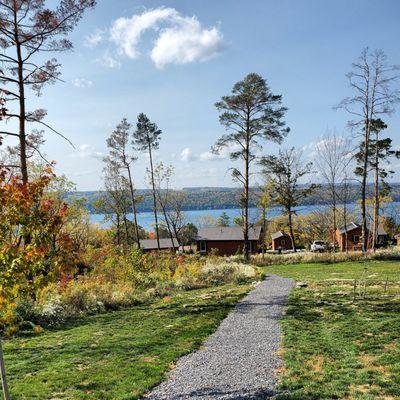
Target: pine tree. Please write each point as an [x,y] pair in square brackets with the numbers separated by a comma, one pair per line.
[252,114]
[147,138]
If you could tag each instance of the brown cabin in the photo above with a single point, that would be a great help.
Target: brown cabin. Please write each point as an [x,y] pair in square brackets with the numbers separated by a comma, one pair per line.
[148,245]
[354,235]
[228,240]
[281,241]
[397,237]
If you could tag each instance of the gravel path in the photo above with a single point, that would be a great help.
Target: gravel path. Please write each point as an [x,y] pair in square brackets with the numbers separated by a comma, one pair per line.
[238,361]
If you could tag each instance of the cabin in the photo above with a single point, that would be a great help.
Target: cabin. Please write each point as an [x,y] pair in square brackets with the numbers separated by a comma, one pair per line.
[148,245]
[228,241]
[281,241]
[354,234]
[397,238]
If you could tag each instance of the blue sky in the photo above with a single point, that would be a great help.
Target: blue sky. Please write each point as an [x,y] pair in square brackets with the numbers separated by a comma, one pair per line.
[303,48]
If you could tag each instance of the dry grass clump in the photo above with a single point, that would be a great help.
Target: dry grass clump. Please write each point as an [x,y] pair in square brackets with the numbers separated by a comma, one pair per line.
[392,253]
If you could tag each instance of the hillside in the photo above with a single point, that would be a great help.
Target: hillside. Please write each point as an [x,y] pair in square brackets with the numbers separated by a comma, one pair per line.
[211,198]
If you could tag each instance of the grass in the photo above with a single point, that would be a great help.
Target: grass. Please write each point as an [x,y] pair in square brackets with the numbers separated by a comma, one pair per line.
[342,331]
[118,355]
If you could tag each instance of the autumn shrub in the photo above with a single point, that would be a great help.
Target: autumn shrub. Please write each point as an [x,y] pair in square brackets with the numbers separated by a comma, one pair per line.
[115,278]
[34,251]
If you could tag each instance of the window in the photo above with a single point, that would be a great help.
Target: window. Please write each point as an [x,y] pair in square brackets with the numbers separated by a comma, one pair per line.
[250,246]
[283,242]
[356,238]
[203,246]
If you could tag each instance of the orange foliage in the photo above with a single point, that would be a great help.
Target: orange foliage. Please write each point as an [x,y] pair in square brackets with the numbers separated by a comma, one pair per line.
[32,248]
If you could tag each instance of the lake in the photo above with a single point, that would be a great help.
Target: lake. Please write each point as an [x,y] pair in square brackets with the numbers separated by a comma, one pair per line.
[146,219]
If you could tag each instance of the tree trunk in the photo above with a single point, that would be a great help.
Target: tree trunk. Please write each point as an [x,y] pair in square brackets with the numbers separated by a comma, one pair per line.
[345,225]
[376,199]
[334,217]
[364,189]
[291,231]
[246,194]
[167,222]
[22,110]
[154,197]
[118,231]
[133,207]
[126,230]
[3,374]
[264,222]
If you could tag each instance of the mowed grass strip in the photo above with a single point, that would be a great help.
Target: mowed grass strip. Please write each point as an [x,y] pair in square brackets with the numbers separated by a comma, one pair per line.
[341,343]
[118,355]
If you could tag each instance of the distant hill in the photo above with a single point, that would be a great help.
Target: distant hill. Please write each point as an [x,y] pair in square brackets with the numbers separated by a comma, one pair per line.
[211,198]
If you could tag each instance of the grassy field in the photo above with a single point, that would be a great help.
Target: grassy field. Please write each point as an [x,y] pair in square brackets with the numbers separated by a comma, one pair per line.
[342,331]
[117,355]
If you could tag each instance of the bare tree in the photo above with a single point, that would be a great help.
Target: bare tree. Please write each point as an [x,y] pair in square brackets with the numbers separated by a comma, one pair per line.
[283,173]
[115,202]
[28,31]
[252,114]
[121,157]
[160,180]
[331,159]
[372,81]
[171,201]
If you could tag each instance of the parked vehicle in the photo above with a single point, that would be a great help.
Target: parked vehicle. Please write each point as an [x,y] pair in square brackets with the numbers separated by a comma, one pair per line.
[318,245]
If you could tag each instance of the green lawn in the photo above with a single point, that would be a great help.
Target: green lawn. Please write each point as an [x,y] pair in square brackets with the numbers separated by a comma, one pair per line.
[117,355]
[341,343]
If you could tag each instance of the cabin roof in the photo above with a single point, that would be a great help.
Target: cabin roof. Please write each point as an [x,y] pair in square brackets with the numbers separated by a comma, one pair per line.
[353,225]
[151,244]
[277,235]
[227,233]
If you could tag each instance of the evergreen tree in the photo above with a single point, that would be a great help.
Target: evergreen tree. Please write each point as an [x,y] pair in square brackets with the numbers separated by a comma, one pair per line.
[252,114]
[223,220]
[147,138]
[379,152]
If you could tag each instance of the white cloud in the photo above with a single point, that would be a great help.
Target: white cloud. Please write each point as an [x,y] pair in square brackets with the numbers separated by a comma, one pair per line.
[126,32]
[185,43]
[82,83]
[180,39]
[223,154]
[94,38]
[108,60]
[187,155]
[86,151]
[209,156]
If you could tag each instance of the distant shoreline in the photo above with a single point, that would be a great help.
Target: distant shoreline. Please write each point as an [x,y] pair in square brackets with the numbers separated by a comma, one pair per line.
[204,198]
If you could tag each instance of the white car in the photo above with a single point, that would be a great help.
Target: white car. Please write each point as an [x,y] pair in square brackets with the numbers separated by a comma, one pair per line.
[318,245]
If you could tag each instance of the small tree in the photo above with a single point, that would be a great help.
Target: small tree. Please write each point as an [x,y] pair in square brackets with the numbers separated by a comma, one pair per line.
[122,159]
[223,220]
[147,138]
[374,94]
[252,114]
[115,203]
[332,157]
[188,234]
[283,173]
[161,178]
[28,32]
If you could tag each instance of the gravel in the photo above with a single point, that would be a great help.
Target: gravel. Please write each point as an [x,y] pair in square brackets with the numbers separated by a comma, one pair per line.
[240,359]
